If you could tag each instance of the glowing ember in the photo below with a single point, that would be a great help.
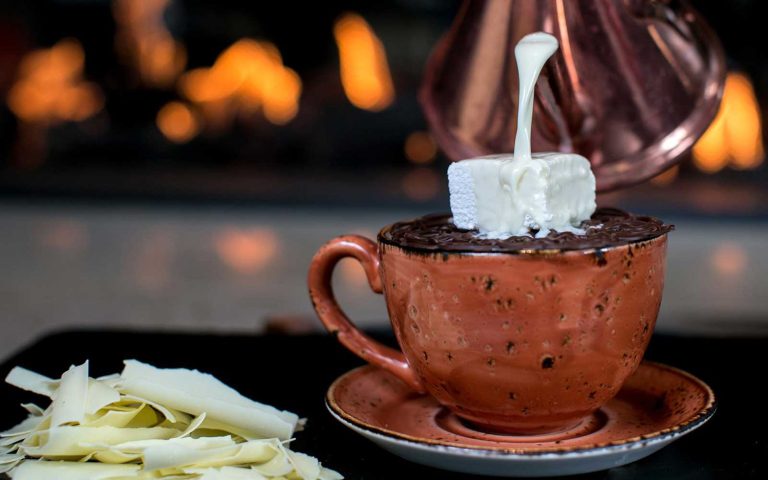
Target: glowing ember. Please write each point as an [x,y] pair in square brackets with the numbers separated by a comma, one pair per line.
[735,136]
[144,40]
[178,122]
[50,86]
[248,76]
[365,72]
[420,148]
[247,251]
[206,85]
[280,96]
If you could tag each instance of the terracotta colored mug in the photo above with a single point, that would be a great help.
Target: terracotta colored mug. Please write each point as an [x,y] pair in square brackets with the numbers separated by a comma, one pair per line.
[515,342]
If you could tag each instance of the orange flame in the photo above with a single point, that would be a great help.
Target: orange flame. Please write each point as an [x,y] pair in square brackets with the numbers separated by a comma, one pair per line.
[365,72]
[735,136]
[50,86]
[178,122]
[143,38]
[249,75]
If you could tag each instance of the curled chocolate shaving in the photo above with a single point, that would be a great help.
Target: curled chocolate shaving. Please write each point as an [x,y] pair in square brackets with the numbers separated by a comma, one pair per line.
[608,227]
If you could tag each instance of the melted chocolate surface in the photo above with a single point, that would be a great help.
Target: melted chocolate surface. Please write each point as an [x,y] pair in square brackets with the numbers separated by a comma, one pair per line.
[608,227]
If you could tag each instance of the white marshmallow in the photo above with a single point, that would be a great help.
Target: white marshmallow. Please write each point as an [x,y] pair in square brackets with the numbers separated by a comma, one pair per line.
[506,195]
[501,196]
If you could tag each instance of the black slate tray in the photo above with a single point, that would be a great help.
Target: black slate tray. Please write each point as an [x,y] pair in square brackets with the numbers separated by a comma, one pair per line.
[293,372]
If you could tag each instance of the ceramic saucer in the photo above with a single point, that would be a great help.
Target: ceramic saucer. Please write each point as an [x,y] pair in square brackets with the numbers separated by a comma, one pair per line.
[657,405]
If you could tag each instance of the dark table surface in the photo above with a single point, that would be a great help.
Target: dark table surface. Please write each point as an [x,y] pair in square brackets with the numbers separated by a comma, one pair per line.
[293,372]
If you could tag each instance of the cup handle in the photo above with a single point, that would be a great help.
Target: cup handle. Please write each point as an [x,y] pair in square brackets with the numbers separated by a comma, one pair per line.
[336,321]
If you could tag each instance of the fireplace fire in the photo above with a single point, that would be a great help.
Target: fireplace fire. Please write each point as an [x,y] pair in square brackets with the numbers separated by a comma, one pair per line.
[231,100]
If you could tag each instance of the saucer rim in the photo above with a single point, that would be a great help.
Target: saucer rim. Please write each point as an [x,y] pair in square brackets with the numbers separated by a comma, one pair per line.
[637,442]
[518,454]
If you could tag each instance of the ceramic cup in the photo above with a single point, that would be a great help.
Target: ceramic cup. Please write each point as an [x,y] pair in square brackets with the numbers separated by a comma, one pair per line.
[524,342]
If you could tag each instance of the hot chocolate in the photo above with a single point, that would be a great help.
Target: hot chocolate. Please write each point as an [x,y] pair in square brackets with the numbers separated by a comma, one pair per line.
[608,227]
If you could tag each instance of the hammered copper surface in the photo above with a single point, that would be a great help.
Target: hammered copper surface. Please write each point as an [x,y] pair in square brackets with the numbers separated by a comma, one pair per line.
[655,400]
[632,87]
[527,342]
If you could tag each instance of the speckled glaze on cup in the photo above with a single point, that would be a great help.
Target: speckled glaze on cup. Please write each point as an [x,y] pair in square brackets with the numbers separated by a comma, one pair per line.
[526,342]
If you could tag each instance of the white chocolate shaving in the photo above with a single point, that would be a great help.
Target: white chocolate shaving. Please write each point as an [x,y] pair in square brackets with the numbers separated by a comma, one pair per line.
[70,441]
[33,409]
[7,458]
[26,426]
[140,416]
[70,400]
[225,473]
[256,421]
[173,416]
[304,465]
[99,396]
[150,423]
[201,385]
[39,470]
[32,382]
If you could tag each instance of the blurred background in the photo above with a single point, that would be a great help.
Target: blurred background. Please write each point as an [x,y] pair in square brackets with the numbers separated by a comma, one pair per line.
[174,164]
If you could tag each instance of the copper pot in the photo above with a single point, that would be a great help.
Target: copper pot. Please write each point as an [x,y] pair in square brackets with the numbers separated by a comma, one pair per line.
[633,85]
